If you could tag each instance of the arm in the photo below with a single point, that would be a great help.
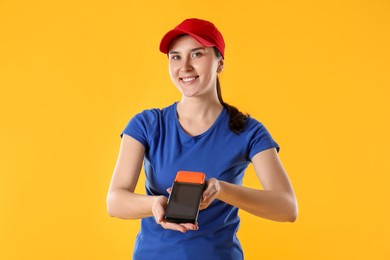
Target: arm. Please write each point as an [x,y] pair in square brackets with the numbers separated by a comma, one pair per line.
[276,202]
[122,202]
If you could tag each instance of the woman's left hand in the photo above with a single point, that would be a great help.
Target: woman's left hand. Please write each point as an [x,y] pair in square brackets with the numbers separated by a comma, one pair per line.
[210,194]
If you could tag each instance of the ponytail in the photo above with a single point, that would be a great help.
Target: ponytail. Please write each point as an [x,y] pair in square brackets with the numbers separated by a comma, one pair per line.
[236,118]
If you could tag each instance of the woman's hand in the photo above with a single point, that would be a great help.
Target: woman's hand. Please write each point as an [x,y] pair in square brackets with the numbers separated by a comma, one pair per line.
[210,194]
[158,211]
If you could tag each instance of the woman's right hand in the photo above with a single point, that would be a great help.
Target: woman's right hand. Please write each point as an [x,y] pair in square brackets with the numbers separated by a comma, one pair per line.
[158,211]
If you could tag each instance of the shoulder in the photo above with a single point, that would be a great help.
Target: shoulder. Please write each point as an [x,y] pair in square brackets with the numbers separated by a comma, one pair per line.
[252,124]
[146,123]
[258,137]
[153,115]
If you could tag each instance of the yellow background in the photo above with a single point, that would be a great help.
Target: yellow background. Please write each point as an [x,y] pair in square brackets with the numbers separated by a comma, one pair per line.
[72,73]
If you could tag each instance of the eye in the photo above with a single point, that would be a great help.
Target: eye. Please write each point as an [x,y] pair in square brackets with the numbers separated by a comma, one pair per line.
[196,54]
[175,57]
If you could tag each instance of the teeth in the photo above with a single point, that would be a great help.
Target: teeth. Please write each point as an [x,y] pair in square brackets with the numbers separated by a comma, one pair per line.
[188,79]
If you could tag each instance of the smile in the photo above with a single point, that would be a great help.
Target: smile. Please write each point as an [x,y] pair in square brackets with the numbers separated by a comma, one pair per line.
[189,79]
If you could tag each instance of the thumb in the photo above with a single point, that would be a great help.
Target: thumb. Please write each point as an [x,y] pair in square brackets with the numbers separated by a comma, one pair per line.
[158,210]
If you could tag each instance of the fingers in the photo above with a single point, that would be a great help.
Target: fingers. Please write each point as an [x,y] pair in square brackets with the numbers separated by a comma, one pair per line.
[207,200]
[210,194]
[184,227]
[173,226]
[190,226]
[212,187]
[158,210]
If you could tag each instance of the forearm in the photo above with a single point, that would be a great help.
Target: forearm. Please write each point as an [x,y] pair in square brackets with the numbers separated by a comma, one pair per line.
[127,205]
[270,204]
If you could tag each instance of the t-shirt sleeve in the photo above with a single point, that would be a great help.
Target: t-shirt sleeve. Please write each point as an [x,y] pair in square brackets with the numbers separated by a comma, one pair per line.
[258,138]
[140,127]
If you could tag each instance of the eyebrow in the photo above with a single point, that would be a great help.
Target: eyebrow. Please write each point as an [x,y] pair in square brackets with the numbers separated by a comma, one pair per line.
[192,50]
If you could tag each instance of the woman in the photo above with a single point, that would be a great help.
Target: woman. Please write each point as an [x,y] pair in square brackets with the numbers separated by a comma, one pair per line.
[199,133]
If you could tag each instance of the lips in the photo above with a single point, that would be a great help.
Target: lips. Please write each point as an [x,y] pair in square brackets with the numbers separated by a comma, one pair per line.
[188,80]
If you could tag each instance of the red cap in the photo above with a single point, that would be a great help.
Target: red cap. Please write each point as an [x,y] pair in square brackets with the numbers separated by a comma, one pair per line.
[203,31]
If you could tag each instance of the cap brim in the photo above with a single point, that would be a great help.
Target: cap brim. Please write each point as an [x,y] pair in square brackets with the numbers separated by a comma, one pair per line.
[171,35]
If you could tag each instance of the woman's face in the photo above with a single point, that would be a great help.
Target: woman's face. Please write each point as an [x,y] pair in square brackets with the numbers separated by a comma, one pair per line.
[193,68]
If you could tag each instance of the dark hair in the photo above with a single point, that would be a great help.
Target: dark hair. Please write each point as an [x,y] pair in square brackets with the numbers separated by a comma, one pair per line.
[236,118]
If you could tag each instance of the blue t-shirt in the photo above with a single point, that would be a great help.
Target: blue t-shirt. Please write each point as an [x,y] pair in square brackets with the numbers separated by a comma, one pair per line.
[219,153]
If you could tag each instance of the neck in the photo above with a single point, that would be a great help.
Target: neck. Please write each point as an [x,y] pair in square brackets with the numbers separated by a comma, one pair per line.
[199,108]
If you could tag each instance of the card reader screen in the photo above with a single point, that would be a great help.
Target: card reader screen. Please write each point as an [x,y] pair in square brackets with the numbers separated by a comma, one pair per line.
[184,200]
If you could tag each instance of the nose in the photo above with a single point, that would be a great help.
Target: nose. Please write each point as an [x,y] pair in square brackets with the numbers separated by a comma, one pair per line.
[186,65]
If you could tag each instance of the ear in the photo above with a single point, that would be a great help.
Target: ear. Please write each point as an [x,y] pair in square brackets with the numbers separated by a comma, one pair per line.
[221,63]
